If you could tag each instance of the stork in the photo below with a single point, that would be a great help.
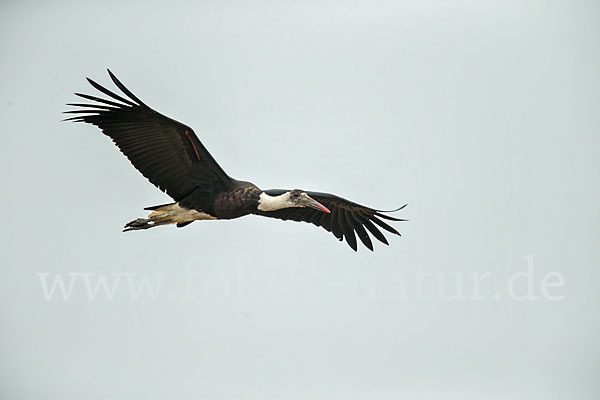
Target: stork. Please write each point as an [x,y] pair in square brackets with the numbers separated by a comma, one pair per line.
[170,155]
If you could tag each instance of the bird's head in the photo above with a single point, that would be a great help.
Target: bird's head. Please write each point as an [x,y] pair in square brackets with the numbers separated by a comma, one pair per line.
[290,199]
[298,198]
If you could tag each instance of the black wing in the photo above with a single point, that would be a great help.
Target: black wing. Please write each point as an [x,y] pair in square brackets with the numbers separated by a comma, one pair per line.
[165,151]
[347,219]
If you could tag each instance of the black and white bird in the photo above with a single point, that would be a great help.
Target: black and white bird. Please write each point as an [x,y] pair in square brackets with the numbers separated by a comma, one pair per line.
[169,154]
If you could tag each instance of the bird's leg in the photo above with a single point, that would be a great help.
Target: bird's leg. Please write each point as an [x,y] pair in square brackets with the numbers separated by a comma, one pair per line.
[154,219]
[167,214]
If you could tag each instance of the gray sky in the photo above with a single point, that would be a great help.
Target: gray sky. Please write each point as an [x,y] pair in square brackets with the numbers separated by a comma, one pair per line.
[482,116]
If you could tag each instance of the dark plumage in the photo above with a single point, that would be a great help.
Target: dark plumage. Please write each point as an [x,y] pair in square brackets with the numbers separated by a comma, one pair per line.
[169,154]
[346,218]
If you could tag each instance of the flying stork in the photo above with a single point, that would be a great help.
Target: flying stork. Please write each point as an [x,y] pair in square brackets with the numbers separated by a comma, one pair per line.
[170,155]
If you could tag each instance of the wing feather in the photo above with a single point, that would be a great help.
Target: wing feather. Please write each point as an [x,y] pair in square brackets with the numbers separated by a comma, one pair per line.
[384,225]
[335,225]
[99,100]
[349,230]
[357,224]
[375,232]
[167,152]
[110,93]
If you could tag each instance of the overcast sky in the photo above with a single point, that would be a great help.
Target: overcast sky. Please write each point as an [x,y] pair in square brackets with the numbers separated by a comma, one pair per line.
[482,116]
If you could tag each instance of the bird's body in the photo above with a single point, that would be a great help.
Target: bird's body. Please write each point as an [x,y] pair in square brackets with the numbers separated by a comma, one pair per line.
[172,157]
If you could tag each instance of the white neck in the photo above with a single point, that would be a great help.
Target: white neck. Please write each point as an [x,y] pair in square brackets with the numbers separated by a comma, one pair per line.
[272,203]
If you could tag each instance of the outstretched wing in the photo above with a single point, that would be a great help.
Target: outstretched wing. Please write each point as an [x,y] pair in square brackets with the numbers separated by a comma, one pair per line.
[347,219]
[168,153]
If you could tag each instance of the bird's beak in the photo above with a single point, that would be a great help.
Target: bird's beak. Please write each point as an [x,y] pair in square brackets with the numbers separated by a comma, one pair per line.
[312,203]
